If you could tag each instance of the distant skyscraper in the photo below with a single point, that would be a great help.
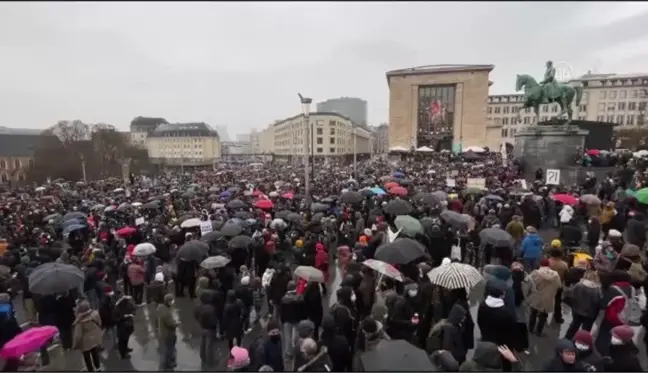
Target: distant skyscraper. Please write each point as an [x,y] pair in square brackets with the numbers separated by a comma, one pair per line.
[352,108]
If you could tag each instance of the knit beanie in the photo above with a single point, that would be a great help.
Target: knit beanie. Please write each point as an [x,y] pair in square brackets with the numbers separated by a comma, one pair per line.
[623,332]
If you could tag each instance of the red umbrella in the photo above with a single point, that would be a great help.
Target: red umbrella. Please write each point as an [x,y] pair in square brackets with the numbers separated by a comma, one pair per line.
[565,199]
[398,191]
[391,184]
[257,193]
[288,195]
[593,152]
[264,204]
[126,231]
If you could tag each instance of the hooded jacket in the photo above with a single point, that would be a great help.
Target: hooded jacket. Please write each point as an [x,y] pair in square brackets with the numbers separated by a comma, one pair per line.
[557,364]
[499,277]
[205,312]
[451,333]
[531,247]
[586,298]
[87,329]
[486,358]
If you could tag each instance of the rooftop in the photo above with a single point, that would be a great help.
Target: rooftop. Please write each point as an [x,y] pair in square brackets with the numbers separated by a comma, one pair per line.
[19,145]
[443,68]
[184,129]
[316,114]
[591,76]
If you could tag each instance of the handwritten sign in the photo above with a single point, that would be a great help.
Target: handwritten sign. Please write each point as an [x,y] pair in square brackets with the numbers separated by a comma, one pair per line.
[205,227]
[451,183]
[476,182]
[553,177]
[139,221]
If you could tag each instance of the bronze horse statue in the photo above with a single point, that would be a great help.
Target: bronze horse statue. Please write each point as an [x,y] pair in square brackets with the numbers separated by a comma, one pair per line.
[536,95]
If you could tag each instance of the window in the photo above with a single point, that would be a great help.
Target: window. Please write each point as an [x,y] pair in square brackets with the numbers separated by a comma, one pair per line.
[489,110]
[332,140]
[621,106]
[585,96]
[643,93]
[635,93]
[582,108]
[601,107]
[332,150]
[515,109]
[320,141]
[611,106]
[623,94]
[642,106]
[554,108]
[612,95]
[527,120]
[435,117]
[603,95]
[582,117]
[498,110]
[610,118]
[332,132]
[320,132]
[498,121]
[505,120]
[630,120]
[505,110]
[319,150]
[3,165]
[331,123]
[544,119]
[17,163]
[632,106]
[504,132]
[545,108]
[600,118]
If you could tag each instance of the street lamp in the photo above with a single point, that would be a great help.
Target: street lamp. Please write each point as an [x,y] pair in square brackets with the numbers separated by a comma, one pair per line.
[306,103]
[83,167]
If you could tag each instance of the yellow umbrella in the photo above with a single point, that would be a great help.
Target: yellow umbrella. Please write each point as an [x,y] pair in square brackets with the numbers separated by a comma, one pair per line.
[581,256]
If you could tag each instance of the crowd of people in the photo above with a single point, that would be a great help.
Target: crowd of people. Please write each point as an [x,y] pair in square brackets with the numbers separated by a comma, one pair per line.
[375,269]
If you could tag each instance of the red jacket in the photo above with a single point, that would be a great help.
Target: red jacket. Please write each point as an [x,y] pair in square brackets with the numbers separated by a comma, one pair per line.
[301,286]
[322,260]
[617,303]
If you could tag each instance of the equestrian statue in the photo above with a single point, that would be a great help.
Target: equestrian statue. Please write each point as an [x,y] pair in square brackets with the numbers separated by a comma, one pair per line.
[546,92]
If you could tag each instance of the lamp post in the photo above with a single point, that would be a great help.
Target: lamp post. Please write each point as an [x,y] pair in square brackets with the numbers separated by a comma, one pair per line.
[124,165]
[306,103]
[355,150]
[83,167]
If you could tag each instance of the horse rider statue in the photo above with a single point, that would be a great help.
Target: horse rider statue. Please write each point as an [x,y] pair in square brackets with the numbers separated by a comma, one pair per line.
[549,84]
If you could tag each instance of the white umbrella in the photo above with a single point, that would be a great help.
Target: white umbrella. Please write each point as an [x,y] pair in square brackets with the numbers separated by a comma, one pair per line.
[425,149]
[273,194]
[455,276]
[398,149]
[310,274]
[136,204]
[109,208]
[41,189]
[383,268]
[144,249]
[474,149]
[278,224]
[191,223]
[640,154]
[118,190]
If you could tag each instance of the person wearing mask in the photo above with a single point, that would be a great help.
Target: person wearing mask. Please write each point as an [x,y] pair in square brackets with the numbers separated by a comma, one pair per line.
[124,317]
[136,275]
[617,290]
[400,316]
[291,311]
[546,283]
[88,335]
[205,315]
[623,351]
[167,334]
[557,264]
[584,299]
[565,359]
[587,354]
[337,345]
[447,335]
[531,249]
[233,316]
[268,351]
[490,357]
[521,290]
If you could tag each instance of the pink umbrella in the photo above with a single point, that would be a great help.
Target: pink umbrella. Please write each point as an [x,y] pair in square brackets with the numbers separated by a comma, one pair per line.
[288,195]
[28,341]
[264,204]
[126,231]
[398,191]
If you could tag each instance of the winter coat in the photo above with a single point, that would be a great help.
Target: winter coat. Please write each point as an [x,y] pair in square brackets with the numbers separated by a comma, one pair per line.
[450,332]
[486,358]
[9,327]
[107,312]
[322,260]
[531,247]
[125,315]
[205,312]
[87,331]
[166,324]
[319,363]
[584,298]
[233,314]
[291,308]
[495,322]
[614,303]
[624,359]
[546,283]
[556,363]
[156,291]
[312,300]
[136,274]
[499,276]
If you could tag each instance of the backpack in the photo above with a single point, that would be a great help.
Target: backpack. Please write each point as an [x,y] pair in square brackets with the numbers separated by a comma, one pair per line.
[631,313]
[637,273]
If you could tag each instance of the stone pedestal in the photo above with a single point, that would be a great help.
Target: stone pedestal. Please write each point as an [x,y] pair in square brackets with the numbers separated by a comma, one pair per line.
[550,147]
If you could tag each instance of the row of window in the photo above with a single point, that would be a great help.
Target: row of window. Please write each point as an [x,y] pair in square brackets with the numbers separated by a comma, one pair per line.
[16,164]
[624,120]
[621,106]
[612,95]
[514,109]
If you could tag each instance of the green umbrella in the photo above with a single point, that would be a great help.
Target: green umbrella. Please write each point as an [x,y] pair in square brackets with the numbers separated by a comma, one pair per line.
[630,192]
[408,225]
[642,196]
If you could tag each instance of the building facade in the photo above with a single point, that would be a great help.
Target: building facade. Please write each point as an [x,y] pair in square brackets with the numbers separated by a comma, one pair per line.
[332,135]
[380,139]
[184,144]
[353,108]
[610,98]
[440,106]
[17,154]
[141,127]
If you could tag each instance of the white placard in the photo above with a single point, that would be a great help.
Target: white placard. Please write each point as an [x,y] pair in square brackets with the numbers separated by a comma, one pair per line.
[205,227]
[392,235]
[451,183]
[139,221]
[476,182]
[553,177]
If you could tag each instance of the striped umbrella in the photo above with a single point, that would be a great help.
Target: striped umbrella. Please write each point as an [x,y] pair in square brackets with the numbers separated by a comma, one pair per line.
[455,276]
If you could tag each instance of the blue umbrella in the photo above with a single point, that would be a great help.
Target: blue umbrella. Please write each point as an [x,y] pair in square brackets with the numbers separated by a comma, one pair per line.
[74,215]
[225,194]
[398,175]
[71,228]
[378,191]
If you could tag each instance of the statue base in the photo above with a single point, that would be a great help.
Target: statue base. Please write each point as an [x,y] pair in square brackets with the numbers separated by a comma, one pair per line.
[550,147]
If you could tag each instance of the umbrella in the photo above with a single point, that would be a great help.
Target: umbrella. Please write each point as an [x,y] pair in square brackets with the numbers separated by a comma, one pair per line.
[398,175]
[396,355]
[278,224]
[294,217]
[383,268]
[212,236]
[288,195]
[72,227]
[151,205]
[591,199]
[188,194]
[351,197]
[31,340]
[212,262]
[193,251]
[391,184]
[74,215]
[243,214]
[118,190]
[236,204]
[225,195]
[191,223]
[126,231]
[53,278]
[474,149]
[240,242]
[52,217]
[378,191]
[494,197]
[366,192]
[310,274]
[98,207]
[565,199]
[641,196]
[110,208]
[144,249]
[408,225]
[136,204]
[455,276]
[398,207]
[283,214]
[454,219]
[40,189]
[398,191]
[319,207]
[264,204]
[496,237]
[593,152]
[231,228]
[400,251]
[427,199]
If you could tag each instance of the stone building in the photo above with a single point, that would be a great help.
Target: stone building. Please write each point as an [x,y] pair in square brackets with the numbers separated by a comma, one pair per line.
[16,155]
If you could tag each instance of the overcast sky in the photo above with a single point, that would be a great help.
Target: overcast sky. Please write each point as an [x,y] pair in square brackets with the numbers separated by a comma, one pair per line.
[241,65]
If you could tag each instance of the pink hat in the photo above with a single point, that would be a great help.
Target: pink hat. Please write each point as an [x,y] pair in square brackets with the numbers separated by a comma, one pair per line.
[240,358]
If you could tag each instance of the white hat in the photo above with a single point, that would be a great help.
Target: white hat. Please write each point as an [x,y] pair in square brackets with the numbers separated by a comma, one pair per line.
[446,261]
[245,280]
[614,233]
[159,277]
[367,232]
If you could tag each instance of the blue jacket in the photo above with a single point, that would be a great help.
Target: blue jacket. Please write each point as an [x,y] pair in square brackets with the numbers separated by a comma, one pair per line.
[531,247]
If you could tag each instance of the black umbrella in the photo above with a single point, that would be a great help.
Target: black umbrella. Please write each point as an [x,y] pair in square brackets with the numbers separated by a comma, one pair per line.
[236,204]
[217,224]
[351,197]
[317,218]
[243,214]
[327,200]
[240,242]
[401,251]
[427,199]
[212,236]
[496,237]
[283,214]
[52,217]
[74,215]
[396,356]
[319,207]
[153,205]
[366,192]
[54,278]
[231,229]
[294,217]
[193,251]
[188,194]
[398,207]
[455,219]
